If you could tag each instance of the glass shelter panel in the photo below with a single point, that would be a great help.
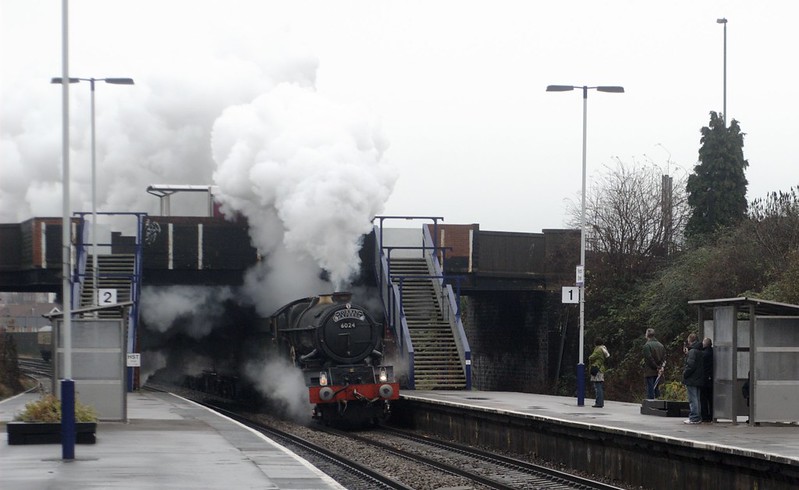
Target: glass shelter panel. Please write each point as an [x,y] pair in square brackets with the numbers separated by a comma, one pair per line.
[723,349]
[776,377]
[97,365]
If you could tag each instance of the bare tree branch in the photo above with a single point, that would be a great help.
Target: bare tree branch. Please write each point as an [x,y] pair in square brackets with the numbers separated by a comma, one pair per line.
[634,215]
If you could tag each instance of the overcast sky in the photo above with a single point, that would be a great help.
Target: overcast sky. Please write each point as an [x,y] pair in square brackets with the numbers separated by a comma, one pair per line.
[452,92]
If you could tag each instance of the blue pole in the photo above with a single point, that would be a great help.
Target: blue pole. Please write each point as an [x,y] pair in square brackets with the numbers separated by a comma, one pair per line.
[67,419]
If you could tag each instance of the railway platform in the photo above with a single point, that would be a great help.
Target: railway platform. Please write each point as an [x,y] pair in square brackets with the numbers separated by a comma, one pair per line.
[617,440]
[167,442]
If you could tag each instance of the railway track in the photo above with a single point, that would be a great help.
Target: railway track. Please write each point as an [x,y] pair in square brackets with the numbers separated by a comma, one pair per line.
[35,367]
[390,458]
[487,469]
[348,471]
[38,370]
[408,460]
[351,474]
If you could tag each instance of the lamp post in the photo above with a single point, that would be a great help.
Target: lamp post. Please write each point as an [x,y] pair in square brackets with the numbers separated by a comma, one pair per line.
[581,268]
[116,81]
[724,21]
[67,383]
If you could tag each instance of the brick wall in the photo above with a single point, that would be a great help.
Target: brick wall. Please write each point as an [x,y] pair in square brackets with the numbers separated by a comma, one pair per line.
[515,340]
[459,241]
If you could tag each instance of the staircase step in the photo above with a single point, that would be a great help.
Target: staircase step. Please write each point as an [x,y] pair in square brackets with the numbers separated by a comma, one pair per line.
[437,363]
[116,271]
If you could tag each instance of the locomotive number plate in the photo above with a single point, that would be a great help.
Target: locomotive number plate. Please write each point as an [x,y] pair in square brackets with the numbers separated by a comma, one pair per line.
[348,314]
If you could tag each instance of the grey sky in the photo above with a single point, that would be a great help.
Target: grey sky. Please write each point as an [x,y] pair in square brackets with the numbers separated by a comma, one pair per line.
[457,87]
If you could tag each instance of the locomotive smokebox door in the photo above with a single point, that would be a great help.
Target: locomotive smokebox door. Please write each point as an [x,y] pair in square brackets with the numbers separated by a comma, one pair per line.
[348,334]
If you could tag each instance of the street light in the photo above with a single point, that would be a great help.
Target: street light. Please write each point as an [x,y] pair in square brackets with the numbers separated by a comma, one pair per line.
[115,81]
[724,21]
[581,268]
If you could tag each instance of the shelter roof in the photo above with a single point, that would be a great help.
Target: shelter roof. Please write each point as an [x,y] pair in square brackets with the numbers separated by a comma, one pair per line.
[762,307]
[89,309]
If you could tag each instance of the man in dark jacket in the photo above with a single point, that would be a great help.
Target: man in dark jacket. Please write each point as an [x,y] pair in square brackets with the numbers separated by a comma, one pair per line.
[693,377]
[706,393]
[654,357]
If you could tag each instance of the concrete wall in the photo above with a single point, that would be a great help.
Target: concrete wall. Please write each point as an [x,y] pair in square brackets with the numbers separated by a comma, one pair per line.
[638,459]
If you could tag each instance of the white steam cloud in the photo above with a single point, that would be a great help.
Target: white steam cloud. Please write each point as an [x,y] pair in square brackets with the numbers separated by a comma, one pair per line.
[307,173]
[240,111]
[283,384]
[193,309]
[154,132]
[151,362]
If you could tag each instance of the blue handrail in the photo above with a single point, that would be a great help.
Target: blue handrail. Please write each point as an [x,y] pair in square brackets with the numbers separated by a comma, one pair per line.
[391,296]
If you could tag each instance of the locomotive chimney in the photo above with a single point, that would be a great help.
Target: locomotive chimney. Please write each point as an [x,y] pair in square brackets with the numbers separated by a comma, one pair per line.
[342,297]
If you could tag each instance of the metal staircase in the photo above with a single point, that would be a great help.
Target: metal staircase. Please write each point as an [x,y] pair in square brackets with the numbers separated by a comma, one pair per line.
[437,364]
[116,271]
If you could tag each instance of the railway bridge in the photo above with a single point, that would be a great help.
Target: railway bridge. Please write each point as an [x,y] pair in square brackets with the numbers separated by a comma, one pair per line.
[504,286]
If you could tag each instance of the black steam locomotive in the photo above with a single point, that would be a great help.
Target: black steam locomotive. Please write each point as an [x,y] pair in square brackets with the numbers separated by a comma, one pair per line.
[338,347]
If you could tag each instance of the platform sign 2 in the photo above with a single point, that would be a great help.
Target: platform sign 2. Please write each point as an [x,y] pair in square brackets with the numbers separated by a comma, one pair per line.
[570,294]
[106,297]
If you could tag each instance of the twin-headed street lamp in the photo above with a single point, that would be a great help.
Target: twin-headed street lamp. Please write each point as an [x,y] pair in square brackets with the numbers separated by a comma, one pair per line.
[581,268]
[116,81]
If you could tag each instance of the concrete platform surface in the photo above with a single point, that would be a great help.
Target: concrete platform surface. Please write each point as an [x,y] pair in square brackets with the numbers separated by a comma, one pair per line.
[168,442]
[770,442]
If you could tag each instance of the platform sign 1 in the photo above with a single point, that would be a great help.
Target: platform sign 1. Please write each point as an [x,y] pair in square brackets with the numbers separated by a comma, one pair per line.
[106,297]
[571,294]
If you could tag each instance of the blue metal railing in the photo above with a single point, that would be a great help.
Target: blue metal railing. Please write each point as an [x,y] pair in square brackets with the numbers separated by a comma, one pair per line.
[391,294]
[78,275]
[452,305]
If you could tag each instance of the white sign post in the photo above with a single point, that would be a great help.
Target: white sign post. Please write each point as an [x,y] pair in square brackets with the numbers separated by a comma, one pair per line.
[134,360]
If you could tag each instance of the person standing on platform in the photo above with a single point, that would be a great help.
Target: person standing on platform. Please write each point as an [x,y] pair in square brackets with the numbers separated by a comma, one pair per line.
[693,377]
[654,361]
[706,393]
[596,361]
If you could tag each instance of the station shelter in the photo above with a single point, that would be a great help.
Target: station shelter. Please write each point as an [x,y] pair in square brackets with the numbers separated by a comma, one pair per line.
[755,353]
[97,358]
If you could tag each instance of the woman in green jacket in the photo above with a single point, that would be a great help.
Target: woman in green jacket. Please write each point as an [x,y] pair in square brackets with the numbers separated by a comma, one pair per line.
[596,361]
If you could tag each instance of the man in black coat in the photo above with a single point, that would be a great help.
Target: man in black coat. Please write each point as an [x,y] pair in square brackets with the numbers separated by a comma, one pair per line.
[706,392]
[693,377]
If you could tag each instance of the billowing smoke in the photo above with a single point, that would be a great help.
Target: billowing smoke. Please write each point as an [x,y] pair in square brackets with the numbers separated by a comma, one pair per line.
[308,175]
[282,278]
[283,384]
[154,132]
[194,310]
[307,172]
[152,361]
[242,113]
[188,331]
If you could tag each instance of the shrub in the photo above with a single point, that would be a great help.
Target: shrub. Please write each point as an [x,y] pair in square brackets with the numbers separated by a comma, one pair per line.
[48,409]
[674,390]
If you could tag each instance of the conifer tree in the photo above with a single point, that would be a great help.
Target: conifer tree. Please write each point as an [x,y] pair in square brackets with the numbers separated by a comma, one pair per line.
[717,188]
